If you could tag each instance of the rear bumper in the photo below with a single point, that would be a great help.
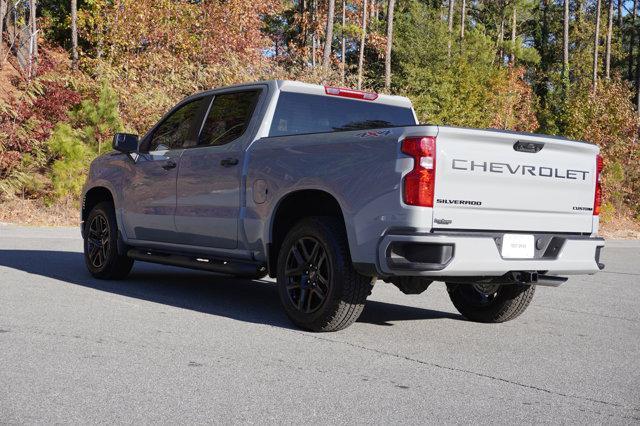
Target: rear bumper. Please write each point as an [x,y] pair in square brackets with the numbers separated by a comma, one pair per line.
[442,255]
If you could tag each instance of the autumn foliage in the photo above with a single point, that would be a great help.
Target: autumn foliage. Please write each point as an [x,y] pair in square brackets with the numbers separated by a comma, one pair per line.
[137,58]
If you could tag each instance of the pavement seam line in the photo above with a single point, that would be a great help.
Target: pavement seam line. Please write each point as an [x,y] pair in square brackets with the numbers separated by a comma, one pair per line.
[586,313]
[475,373]
[620,273]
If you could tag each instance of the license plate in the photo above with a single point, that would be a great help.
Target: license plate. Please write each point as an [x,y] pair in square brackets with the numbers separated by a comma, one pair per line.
[518,246]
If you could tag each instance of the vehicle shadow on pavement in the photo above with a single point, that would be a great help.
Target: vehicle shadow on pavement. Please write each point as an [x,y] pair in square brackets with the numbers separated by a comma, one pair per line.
[246,300]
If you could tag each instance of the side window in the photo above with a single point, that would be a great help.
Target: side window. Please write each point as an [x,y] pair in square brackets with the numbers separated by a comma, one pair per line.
[175,129]
[228,117]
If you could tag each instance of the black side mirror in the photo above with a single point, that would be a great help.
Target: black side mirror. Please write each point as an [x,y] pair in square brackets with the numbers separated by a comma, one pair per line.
[125,142]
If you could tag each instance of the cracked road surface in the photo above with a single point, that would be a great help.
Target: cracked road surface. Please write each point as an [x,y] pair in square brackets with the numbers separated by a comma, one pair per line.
[179,346]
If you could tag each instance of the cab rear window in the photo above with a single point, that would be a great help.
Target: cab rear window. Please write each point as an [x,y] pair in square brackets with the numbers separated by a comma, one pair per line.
[300,113]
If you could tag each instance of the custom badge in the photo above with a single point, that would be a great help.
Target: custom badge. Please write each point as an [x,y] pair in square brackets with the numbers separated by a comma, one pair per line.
[374,133]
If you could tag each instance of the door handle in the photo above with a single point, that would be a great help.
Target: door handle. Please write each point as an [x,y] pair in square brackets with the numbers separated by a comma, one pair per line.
[170,164]
[228,162]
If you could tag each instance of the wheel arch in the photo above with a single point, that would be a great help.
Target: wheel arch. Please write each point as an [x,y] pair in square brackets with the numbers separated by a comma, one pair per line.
[293,207]
[94,196]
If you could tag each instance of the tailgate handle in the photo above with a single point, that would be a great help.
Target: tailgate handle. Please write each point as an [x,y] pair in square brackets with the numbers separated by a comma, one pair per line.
[531,147]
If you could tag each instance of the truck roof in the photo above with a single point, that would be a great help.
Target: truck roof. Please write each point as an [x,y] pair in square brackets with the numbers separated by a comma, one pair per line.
[316,89]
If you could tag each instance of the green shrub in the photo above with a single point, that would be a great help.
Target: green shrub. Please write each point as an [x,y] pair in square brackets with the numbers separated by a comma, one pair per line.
[98,120]
[73,157]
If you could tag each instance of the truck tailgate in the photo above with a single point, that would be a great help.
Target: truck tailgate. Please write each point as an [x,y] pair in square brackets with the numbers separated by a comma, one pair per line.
[493,180]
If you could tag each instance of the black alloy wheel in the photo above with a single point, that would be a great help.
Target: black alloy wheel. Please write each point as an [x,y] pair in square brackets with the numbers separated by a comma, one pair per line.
[98,243]
[489,302]
[101,244]
[319,288]
[308,274]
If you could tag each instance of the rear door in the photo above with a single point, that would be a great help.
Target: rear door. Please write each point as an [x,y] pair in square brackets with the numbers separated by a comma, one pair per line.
[492,180]
[209,178]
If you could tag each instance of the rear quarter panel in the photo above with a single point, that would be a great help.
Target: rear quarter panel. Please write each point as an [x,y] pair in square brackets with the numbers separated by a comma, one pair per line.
[362,170]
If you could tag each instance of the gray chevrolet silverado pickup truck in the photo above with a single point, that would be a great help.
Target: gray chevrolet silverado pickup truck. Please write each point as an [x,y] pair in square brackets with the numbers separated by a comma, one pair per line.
[328,189]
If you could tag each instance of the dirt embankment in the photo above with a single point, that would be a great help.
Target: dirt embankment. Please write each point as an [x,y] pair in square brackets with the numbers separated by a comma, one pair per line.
[37,213]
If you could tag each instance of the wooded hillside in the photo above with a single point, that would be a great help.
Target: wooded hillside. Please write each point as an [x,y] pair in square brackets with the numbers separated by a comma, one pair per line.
[75,71]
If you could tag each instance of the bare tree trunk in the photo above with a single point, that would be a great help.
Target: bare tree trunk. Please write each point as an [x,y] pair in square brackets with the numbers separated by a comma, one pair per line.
[579,12]
[635,5]
[463,18]
[3,13]
[596,43]
[607,55]
[329,34]
[500,41]
[314,5]
[33,38]
[450,18]
[565,43]
[304,30]
[638,84]
[362,40]
[387,56]
[344,41]
[74,34]
[33,7]
[632,38]
[620,21]
[513,36]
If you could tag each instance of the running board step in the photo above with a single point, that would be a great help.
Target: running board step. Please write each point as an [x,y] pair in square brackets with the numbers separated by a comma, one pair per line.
[223,266]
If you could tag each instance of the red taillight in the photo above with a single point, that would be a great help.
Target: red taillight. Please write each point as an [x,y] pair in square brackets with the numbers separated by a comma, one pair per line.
[597,199]
[350,93]
[419,183]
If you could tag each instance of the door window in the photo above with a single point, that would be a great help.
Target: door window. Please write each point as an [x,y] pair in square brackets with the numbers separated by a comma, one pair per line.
[176,129]
[228,117]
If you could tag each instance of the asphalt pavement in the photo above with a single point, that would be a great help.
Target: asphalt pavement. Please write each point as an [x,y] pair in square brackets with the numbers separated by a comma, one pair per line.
[169,345]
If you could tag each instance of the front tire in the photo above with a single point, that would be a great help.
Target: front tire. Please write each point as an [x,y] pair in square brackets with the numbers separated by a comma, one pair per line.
[490,303]
[101,245]
[318,286]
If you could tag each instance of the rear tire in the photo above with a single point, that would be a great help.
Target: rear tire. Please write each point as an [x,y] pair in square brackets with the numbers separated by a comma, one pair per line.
[318,286]
[490,304]
[101,245]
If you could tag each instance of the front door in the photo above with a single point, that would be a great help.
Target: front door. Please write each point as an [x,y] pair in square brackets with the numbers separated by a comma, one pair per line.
[209,176]
[150,194]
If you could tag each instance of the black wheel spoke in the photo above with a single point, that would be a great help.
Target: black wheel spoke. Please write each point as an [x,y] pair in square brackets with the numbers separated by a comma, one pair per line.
[295,271]
[302,299]
[299,258]
[319,292]
[304,251]
[314,253]
[293,285]
[94,255]
[322,260]
[324,281]
[309,300]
